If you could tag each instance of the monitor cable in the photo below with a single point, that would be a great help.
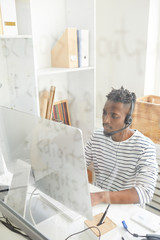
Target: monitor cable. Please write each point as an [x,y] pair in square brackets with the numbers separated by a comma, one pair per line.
[99,237]
[5,221]
[30,206]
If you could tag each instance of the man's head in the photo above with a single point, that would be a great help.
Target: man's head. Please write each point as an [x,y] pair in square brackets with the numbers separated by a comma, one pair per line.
[117,111]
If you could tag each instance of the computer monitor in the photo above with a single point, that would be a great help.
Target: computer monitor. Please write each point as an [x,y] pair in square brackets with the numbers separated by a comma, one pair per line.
[55,152]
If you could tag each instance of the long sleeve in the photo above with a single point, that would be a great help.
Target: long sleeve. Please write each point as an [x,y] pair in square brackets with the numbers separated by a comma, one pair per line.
[147,171]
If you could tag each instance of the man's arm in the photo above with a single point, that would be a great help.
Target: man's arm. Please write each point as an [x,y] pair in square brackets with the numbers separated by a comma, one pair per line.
[118,197]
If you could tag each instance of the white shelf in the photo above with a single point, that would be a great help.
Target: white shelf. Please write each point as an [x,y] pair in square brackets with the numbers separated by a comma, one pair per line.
[50,71]
[25,59]
[15,36]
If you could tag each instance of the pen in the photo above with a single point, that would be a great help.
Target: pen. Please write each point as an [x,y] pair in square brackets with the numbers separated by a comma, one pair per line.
[104,215]
[4,190]
[14,188]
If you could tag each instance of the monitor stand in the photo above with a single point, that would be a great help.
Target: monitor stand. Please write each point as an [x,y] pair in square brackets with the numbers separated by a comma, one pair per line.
[37,210]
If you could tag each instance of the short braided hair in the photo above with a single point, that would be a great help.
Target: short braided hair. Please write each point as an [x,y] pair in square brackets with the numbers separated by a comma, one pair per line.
[121,95]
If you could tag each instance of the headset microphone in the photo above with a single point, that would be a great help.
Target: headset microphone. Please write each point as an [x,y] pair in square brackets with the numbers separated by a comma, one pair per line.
[117,131]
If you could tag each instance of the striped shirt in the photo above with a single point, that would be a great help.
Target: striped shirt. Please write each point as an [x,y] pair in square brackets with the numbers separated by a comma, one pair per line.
[123,165]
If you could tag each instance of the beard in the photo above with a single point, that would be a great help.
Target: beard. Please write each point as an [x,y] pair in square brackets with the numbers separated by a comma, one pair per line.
[107,132]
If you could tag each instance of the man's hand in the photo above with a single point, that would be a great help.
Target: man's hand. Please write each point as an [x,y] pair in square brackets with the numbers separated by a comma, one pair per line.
[128,196]
[97,198]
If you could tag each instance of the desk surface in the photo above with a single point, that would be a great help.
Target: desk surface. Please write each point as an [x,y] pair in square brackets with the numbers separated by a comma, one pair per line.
[59,227]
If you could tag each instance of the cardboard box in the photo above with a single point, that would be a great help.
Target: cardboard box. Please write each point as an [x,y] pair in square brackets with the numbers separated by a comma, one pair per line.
[146,117]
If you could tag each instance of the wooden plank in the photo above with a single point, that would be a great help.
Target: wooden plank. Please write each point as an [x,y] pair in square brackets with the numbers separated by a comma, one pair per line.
[155,205]
[158,179]
[156,198]
[153,210]
[157,191]
[158,184]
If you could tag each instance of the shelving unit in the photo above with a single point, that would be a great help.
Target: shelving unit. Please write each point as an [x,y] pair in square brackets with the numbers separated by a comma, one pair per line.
[15,36]
[50,71]
[26,59]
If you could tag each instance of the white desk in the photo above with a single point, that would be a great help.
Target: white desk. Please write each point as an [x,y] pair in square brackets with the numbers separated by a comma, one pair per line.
[59,227]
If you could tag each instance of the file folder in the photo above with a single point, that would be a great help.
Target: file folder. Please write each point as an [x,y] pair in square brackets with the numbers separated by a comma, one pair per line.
[65,53]
[1,24]
[8,18]
[83,47]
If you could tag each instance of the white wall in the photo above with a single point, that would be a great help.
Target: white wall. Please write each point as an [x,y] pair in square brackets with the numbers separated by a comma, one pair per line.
[152,76]
[121,46]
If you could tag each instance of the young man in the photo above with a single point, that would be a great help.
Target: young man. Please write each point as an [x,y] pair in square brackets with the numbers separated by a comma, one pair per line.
[124,159]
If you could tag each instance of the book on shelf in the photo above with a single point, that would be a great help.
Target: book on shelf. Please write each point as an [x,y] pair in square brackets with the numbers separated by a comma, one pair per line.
[50,103]
[43,102]
[56,111]
[65,53]
[8,18]
[61,112]
[83,47]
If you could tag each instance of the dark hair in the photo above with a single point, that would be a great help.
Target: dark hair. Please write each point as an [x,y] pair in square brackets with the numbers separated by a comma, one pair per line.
[121,95]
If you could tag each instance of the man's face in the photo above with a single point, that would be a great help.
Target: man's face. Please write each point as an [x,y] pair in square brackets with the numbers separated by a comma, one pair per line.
[114,114]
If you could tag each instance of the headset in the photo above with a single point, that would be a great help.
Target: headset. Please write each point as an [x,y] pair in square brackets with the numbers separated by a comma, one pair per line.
[127,121]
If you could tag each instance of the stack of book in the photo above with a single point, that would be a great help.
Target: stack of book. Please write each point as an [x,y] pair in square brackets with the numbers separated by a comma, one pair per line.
[46,100]
[72,49]
[57,111]
[61,112]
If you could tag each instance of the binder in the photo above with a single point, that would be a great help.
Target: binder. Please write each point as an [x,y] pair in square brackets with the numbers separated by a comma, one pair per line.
[8,18]
[1,24]
[83,47]
[65,53]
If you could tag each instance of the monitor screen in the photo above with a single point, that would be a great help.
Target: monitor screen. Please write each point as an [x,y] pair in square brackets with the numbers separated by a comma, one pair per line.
[55,154]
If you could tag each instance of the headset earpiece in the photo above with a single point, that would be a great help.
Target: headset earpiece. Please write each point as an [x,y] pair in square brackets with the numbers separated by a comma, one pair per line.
[128,119]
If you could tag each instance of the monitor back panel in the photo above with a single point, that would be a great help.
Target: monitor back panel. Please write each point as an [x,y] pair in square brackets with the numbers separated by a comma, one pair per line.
[55,152]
